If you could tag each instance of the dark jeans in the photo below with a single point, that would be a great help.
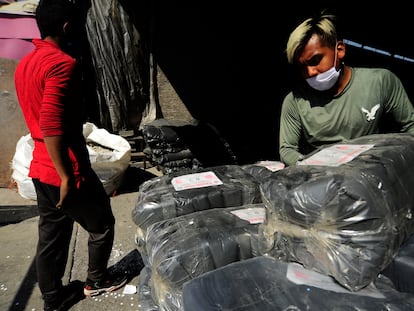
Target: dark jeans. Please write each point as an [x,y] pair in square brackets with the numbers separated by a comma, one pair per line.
[90,207]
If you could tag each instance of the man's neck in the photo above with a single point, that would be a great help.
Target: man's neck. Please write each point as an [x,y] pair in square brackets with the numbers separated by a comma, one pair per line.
[54,39]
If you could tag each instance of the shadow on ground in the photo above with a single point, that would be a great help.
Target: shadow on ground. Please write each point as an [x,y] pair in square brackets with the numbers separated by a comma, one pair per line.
[133,178]
[131,264]
[12,214]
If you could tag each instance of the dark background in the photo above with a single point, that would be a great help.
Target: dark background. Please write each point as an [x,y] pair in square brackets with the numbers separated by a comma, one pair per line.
[226,59]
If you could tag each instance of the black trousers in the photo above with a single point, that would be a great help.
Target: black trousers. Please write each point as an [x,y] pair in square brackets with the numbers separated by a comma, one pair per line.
[90,208]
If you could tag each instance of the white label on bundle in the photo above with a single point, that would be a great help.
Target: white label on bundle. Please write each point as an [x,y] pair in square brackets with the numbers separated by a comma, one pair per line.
[272,165]
[196,180]
[255,215]
[335,155]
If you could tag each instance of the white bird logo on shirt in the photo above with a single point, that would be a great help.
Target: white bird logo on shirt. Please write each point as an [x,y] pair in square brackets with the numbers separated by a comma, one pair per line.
[370,115]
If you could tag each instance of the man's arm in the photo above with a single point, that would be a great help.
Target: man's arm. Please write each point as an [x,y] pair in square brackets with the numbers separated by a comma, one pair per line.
[51,124]
[289,132]
[398,103]
[59,155]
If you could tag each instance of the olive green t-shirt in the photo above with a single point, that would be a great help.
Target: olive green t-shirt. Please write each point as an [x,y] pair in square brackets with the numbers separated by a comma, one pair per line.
[310,119]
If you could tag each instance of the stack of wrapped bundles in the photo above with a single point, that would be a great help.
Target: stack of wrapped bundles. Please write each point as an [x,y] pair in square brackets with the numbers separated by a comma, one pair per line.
[345,211]
[185,247]
[185,192]
[165,149]
[173,145]
[268,284]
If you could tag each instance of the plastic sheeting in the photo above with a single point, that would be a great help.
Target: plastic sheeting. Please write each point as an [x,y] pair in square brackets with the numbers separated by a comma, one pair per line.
[346,221]
[267,284]
[122,65]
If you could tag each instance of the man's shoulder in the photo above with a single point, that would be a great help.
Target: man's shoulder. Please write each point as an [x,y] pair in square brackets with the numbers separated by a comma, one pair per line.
[375,76]
[290,97]
[60,56]
[370,71]
[51,52]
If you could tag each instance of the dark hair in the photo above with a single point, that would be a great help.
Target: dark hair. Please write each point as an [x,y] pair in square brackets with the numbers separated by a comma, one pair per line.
[51,15]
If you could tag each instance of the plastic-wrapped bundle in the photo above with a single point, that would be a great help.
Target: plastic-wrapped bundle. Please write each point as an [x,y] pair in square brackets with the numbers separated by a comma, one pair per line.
[197,144]
[267,284]
[202,189]
[262,169]
[146,301]
[179,165]
[401,269]
[166,149]
[162,133]
[170,160]
[159,199]
[173,156]
[347,221]
[185,247]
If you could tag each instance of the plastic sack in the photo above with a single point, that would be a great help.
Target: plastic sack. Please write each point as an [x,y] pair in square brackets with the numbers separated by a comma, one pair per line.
[109,154]
[20,165]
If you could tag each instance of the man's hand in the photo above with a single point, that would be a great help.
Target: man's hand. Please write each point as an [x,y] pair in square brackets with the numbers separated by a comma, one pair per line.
[66,188]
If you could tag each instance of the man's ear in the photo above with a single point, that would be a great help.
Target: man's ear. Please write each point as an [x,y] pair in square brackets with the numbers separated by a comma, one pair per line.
[340,46]
[66,28]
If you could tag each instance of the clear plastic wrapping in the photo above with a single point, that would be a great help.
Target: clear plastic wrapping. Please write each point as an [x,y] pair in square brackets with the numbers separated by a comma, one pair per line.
[159,200]
[401,269]
[346,221]
[267,284]
[188,246]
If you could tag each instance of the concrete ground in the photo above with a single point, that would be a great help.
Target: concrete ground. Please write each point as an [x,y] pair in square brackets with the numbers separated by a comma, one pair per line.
[18,284]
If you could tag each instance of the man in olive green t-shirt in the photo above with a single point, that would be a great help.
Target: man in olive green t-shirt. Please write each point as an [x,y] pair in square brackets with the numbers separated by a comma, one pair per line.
[337,102]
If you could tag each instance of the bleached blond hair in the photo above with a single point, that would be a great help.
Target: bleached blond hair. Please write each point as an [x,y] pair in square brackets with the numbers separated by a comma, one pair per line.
[322,25]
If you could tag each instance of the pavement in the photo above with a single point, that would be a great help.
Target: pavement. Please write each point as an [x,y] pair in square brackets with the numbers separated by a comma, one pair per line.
[18,238]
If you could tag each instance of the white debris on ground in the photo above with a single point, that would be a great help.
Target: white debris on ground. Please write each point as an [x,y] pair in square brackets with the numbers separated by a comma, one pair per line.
[121,296]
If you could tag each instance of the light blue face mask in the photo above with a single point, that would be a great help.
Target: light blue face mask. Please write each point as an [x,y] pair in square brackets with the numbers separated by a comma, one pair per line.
[325,80]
